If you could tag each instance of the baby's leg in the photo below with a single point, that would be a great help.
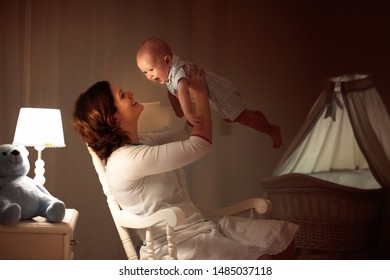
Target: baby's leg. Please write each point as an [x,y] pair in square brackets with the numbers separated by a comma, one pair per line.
[257,120]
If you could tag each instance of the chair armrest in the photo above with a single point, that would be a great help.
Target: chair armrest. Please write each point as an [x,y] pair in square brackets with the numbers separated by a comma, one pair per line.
[172,216]
[259,205]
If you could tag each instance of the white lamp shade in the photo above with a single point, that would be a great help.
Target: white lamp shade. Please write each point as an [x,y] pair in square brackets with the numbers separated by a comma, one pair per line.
[39,127]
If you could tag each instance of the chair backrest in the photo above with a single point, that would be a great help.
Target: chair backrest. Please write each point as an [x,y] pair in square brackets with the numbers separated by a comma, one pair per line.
[130,239]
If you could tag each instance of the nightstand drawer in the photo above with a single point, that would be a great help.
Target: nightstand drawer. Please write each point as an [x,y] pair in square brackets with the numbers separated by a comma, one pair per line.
[38,239]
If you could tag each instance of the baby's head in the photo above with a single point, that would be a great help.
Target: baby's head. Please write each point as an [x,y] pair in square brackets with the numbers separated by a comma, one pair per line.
[154,58]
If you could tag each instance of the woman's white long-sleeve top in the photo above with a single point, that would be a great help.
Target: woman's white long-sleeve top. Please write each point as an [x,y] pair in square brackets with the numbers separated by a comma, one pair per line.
[149,177]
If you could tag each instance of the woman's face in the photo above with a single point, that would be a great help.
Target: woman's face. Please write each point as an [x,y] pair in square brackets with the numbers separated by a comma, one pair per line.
[128,110]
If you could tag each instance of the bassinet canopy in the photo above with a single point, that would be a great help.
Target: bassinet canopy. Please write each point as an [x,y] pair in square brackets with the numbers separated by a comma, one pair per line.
[339,160]
[347,129]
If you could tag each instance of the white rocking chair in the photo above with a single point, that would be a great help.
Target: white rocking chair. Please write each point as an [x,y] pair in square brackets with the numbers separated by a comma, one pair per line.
[127,223]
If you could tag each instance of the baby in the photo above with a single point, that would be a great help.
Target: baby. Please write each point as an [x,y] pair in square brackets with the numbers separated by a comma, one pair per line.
[156,60]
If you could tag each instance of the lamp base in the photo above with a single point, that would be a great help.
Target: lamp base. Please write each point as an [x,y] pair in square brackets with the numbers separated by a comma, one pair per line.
[39,167]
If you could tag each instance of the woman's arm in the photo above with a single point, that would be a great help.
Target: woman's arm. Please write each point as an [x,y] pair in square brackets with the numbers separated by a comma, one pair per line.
[133,163]
[183,95]
[199,93]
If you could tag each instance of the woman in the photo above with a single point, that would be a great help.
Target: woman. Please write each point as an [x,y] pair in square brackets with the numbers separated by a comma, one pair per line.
[145,173]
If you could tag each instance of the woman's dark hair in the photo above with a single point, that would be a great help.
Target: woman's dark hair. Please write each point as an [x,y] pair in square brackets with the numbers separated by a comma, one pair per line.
[93,119]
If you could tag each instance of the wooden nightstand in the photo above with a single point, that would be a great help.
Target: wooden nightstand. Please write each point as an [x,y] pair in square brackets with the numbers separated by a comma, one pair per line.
[38,239]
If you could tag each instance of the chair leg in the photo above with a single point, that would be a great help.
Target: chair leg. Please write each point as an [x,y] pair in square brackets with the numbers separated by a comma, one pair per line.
[172,250]
[150,244]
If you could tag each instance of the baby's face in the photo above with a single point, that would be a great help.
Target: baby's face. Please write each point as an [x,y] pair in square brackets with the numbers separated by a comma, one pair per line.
[155,68]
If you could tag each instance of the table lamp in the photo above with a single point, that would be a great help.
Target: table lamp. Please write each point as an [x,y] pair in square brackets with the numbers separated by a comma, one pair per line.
[39,128]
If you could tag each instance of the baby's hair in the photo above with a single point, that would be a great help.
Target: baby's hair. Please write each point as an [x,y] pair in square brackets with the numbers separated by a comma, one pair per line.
[156,46]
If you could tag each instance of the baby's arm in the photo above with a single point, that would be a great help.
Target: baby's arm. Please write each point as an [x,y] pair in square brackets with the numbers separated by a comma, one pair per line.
[175,105]
[183,94]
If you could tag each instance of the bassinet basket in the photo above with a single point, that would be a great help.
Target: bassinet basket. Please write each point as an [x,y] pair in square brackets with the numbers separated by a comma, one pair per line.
[332,217]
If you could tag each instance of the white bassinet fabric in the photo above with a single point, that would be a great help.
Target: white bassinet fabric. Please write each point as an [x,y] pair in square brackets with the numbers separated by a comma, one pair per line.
[329,145]
[346,129]
[361,179]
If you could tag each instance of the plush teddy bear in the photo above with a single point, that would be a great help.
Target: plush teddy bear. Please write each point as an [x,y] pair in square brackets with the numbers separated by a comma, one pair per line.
[20,197]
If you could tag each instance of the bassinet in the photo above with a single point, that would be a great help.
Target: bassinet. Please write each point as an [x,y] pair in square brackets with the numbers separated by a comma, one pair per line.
[332,217]
[332,178]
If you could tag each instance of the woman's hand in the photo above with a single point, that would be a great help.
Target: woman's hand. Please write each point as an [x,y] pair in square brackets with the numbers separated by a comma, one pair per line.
[196,79]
